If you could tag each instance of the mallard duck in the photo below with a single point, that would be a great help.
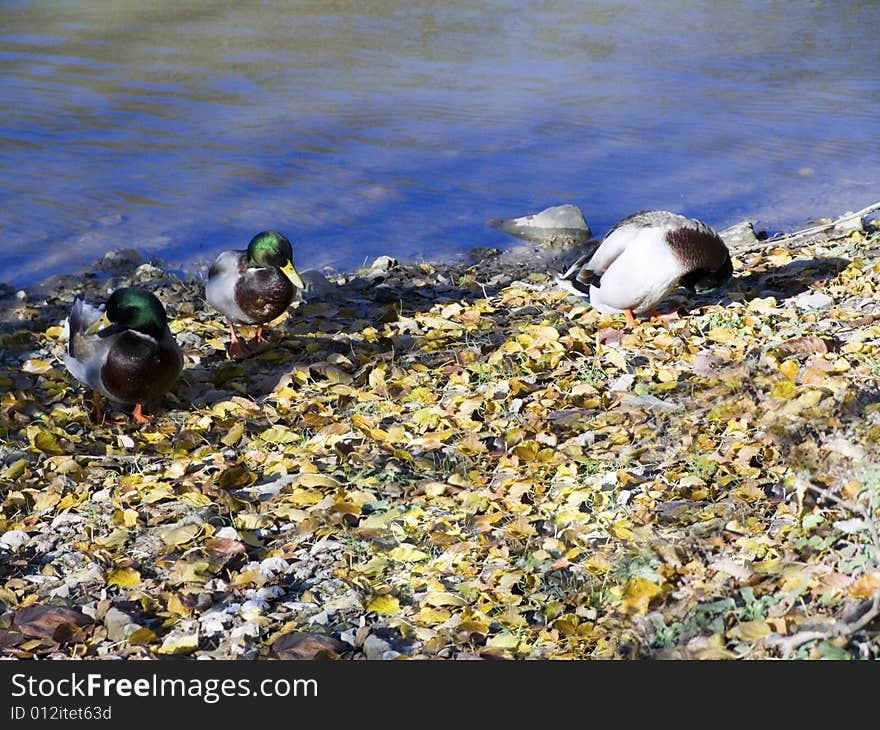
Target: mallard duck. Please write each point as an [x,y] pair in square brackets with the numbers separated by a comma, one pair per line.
[644,257]
[253,286]
[123,351]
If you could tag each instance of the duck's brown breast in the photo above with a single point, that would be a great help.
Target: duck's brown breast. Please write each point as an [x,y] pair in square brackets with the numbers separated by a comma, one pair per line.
[263,294]
[138,370]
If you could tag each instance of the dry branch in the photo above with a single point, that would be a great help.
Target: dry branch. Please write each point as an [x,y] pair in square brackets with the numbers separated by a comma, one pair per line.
[868,610]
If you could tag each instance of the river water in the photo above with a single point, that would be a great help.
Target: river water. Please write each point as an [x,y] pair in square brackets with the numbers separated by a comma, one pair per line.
[368,127]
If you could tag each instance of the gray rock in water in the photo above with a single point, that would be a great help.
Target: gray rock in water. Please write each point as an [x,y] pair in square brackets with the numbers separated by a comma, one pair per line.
[119,260]
[561,225]
[740,235]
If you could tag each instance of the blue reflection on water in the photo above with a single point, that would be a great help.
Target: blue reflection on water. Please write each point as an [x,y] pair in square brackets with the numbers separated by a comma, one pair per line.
[361,129]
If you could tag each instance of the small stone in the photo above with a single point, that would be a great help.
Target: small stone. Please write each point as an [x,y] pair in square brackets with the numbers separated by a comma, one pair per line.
[376,648]
[117,622]
[318,286]
[384,643]
[14,456]
[740,235]
[845,447]
[384,263]
[227,533]
[622,383]
[147,271]
[812,300]
[14,539]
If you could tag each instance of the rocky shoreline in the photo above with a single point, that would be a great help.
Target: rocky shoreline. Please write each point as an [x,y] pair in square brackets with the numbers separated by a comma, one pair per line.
[457,461]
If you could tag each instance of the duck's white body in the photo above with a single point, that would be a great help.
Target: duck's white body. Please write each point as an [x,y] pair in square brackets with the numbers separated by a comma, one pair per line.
[643,258]
[220,288]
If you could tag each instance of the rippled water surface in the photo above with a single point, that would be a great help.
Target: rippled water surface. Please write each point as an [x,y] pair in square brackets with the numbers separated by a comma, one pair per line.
[368,127]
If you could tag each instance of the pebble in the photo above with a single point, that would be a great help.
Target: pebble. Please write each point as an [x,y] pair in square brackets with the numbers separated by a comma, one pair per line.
[318,286]
[812,300]
[118,624]
[384,263]
[376,648]
[740,235]
[14,539]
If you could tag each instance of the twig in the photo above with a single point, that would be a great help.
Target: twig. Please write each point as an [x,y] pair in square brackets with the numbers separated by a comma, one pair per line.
[826,226]
[840,628]
[123,457]
[831,497]
[866,512]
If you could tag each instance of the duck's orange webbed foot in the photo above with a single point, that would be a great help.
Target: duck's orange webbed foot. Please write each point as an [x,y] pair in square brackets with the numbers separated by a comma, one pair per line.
[237,348]
[258,339]
[666,317]
[97,408]
[138,416]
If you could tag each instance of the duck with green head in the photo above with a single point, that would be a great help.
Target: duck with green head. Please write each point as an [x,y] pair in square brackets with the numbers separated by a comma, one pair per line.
[125,351]
[253,286]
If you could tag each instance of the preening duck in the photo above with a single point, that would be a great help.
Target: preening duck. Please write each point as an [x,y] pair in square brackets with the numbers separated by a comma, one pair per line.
[253,286]
[644,257]
[123,351]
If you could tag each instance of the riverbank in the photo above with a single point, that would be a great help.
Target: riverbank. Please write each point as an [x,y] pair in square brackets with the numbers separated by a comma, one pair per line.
[455,461]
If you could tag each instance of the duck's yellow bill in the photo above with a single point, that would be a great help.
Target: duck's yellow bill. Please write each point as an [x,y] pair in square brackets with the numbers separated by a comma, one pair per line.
[293,275]
[98,325]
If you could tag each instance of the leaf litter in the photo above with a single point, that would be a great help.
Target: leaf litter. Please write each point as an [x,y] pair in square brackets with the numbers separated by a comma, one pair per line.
[459,461]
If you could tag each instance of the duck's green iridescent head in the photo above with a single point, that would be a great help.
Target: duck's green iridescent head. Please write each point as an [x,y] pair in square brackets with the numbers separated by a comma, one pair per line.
[137,309]
[270,248]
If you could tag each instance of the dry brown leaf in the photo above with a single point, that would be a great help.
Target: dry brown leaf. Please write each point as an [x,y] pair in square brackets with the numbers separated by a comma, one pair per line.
[306,645]
[44,621]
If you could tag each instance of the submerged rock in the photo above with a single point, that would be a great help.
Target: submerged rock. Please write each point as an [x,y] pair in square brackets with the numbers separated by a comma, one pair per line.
[119,260]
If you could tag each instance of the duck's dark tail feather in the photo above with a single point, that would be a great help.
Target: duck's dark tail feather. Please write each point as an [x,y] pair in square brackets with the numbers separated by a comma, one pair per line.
[75,324]
[577,279]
